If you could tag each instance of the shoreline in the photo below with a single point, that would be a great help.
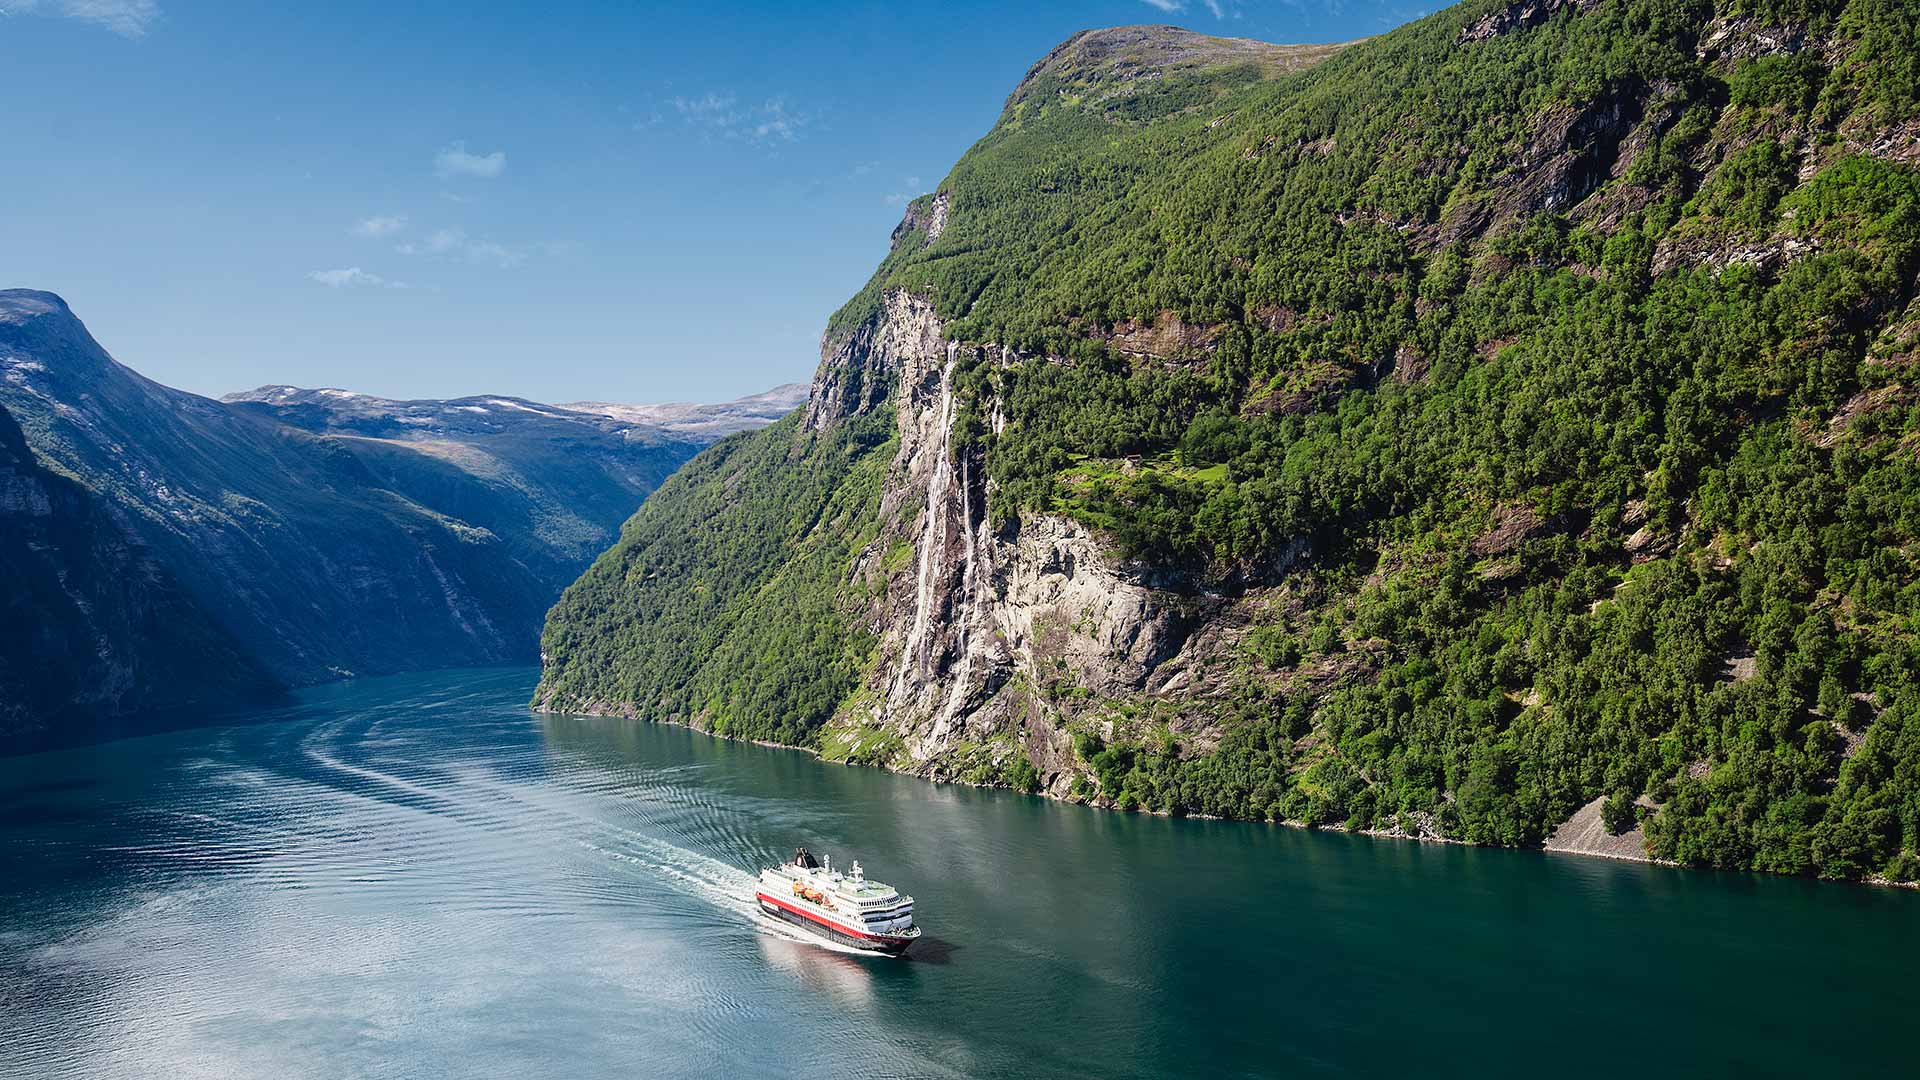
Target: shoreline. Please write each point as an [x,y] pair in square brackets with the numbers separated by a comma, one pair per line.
[1876,880]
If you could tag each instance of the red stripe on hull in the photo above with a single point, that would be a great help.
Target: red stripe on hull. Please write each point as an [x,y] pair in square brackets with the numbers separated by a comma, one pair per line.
[877,940]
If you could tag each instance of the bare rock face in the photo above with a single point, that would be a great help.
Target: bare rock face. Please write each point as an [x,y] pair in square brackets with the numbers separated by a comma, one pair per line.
[1898,143]
[1749,37]
[1585,834]
[1066,600]
[1515,16]
[1570,152]
[858,374]
[927,216]
[1165,338]
[975,619]
[937,217]
[1768,256]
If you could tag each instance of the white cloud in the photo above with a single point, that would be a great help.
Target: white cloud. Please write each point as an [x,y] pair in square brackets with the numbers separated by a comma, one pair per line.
[778,123]
[439,243]
[772,121]
[1219,9]
[352,277]
[453,241]
[713,108]
[911,191]
[380,225]
[340,279]
[456,160]
[128,18]
[488,253]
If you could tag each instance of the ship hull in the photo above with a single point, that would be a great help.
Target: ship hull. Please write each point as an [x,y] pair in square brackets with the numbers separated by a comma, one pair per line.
[881,945]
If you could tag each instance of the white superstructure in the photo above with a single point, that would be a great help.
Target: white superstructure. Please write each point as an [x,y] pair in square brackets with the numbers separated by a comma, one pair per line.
[847,908]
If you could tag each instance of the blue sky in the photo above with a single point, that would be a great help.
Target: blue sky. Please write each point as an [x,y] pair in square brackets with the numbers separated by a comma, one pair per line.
[623,202]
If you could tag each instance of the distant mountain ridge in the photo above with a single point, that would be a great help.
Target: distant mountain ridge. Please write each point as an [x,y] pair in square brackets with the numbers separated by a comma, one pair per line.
[326,533]
[714,421]
[347,411]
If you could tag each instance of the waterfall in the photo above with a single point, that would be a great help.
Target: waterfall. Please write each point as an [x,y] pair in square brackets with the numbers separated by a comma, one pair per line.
[964,670]
[932,536]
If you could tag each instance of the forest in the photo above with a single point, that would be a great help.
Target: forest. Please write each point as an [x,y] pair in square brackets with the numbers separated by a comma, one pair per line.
[1576,341]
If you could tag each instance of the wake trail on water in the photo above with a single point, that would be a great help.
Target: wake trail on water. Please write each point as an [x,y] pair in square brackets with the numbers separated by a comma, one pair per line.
[727,888]
[473,795]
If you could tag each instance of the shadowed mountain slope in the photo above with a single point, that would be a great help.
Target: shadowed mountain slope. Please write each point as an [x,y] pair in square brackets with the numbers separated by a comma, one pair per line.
[327,533]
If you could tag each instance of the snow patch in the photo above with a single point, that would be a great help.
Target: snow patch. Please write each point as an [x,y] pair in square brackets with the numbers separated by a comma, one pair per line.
[505,404]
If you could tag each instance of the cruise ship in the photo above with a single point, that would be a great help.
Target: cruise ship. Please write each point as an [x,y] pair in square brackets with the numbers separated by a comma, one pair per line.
[843,908]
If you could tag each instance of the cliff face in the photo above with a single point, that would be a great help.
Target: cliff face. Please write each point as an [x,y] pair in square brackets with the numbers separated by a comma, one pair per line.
[979,627]
[92,627]
[1412,443]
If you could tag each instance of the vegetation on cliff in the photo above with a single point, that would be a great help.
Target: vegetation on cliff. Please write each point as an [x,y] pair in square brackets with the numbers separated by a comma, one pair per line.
[726,603]
[1577,341]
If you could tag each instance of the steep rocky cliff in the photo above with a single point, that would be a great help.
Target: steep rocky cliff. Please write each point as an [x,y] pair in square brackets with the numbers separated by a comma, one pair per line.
[978,631]
[92,627]
[1510,411]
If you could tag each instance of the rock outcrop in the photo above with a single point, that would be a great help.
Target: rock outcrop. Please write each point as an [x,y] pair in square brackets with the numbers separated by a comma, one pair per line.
[982,621]
[1515,16]
[1586,834]
[858,375]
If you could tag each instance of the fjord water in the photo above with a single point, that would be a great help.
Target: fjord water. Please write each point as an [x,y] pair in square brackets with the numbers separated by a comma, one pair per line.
[416,877]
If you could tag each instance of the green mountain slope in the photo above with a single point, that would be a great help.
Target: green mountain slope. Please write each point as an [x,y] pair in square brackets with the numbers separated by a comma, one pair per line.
[728,603]
[1503,415]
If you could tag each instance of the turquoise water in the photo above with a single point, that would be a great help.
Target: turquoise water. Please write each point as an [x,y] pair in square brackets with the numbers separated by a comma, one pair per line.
[416,877]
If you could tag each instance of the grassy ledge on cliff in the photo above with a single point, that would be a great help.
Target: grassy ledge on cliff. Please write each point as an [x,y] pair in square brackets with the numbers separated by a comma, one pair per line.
[1436,436]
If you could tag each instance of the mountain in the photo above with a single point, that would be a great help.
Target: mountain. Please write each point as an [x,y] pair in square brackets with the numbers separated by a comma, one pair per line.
[91,625]
[317,534]
[1504,429]
[707,422]
[334,411]
[552,482]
